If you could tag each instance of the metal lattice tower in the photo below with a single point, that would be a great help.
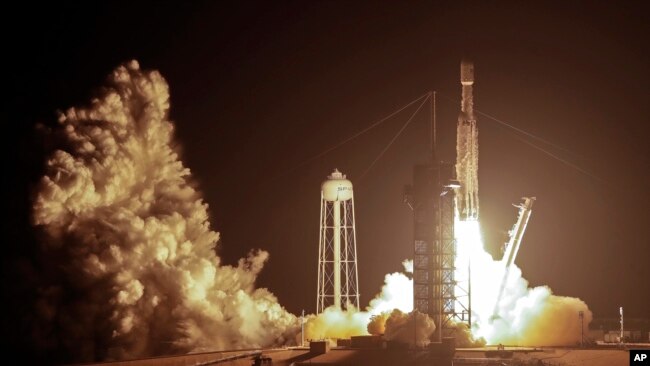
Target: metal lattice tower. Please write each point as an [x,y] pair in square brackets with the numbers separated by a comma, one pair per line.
[434,244]
[338,281]
[436,290]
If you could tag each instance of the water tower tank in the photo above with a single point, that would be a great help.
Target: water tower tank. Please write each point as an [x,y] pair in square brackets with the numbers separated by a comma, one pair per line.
[337,249]
[336,187]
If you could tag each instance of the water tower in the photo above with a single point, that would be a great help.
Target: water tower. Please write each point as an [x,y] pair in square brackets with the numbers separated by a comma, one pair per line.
[337,251]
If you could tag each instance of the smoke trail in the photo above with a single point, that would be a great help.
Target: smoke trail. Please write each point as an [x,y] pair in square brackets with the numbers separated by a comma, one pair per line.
[133,270]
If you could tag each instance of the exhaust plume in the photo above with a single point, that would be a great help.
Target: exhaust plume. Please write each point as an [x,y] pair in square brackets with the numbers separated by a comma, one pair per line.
[396,294]
[523,316]
[131,263]
[399,326]
[335,323]
[403,328]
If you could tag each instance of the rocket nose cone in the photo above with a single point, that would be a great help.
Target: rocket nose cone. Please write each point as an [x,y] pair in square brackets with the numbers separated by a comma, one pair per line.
[466,72]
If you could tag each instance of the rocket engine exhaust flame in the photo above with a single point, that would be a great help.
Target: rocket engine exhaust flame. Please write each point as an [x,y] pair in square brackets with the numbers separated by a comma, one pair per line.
[133,270]
[524,316]
[504,309]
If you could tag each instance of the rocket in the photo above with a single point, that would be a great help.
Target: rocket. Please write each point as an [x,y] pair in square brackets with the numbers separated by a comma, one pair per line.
[467,148]
[512,247]
[517,232]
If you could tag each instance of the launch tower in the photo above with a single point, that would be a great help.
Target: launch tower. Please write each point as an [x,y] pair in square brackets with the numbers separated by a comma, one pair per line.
[442,285]
[432,203]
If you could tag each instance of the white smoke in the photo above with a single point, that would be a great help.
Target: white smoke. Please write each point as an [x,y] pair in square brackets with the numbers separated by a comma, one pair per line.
[396,294]
[410,328]
[401,327]
[134,271]
[334,323]
[523,316]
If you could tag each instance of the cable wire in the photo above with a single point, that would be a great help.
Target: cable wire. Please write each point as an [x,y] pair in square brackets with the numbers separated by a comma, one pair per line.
[373,125]
[519,129]
[543,150]
[392,140]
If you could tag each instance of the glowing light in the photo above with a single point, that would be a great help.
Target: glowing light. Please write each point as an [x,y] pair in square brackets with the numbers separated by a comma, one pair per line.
[524,316]
[395,294]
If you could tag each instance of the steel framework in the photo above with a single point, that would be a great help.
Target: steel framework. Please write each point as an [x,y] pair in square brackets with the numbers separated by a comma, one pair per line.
[337,256]
[434,284]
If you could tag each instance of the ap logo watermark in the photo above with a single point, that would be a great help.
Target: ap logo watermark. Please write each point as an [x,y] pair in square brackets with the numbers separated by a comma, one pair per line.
[639,357]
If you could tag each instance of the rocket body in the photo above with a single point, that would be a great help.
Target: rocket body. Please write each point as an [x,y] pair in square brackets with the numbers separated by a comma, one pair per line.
[467,149]
[517,231]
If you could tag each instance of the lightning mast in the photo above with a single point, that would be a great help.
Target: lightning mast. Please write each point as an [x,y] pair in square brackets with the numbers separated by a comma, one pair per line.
[432,201]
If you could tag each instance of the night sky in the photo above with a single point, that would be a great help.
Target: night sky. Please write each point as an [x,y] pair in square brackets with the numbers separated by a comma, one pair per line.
[259,88]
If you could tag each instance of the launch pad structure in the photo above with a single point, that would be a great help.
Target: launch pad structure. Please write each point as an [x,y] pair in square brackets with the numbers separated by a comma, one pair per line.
[440,190]
[434,285]
[442,196]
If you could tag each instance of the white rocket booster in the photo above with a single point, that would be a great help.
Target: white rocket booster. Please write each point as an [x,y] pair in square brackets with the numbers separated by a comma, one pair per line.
[467,149]
[512,248]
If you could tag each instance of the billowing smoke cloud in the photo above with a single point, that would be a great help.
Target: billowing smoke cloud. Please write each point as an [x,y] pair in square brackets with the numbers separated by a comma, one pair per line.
[133,265]
[396,293]
[377,324]
[405,328]
[400,327]
[523,316]
[539,318]
[333,323]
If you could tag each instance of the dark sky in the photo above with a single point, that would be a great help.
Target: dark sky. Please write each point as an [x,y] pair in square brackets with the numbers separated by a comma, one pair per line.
[258,88]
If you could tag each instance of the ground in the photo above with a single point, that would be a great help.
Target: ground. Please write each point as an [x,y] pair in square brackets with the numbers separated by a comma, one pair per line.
[298,356]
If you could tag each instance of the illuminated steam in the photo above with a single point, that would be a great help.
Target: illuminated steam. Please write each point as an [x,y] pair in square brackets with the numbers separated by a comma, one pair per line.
[132,264]
[130,259]
[524,316]
[394,300]
[335,323]
[404,327]
[396,293]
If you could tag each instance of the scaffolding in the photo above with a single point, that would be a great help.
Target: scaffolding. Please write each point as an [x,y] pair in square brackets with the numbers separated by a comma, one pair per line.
[432,202]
